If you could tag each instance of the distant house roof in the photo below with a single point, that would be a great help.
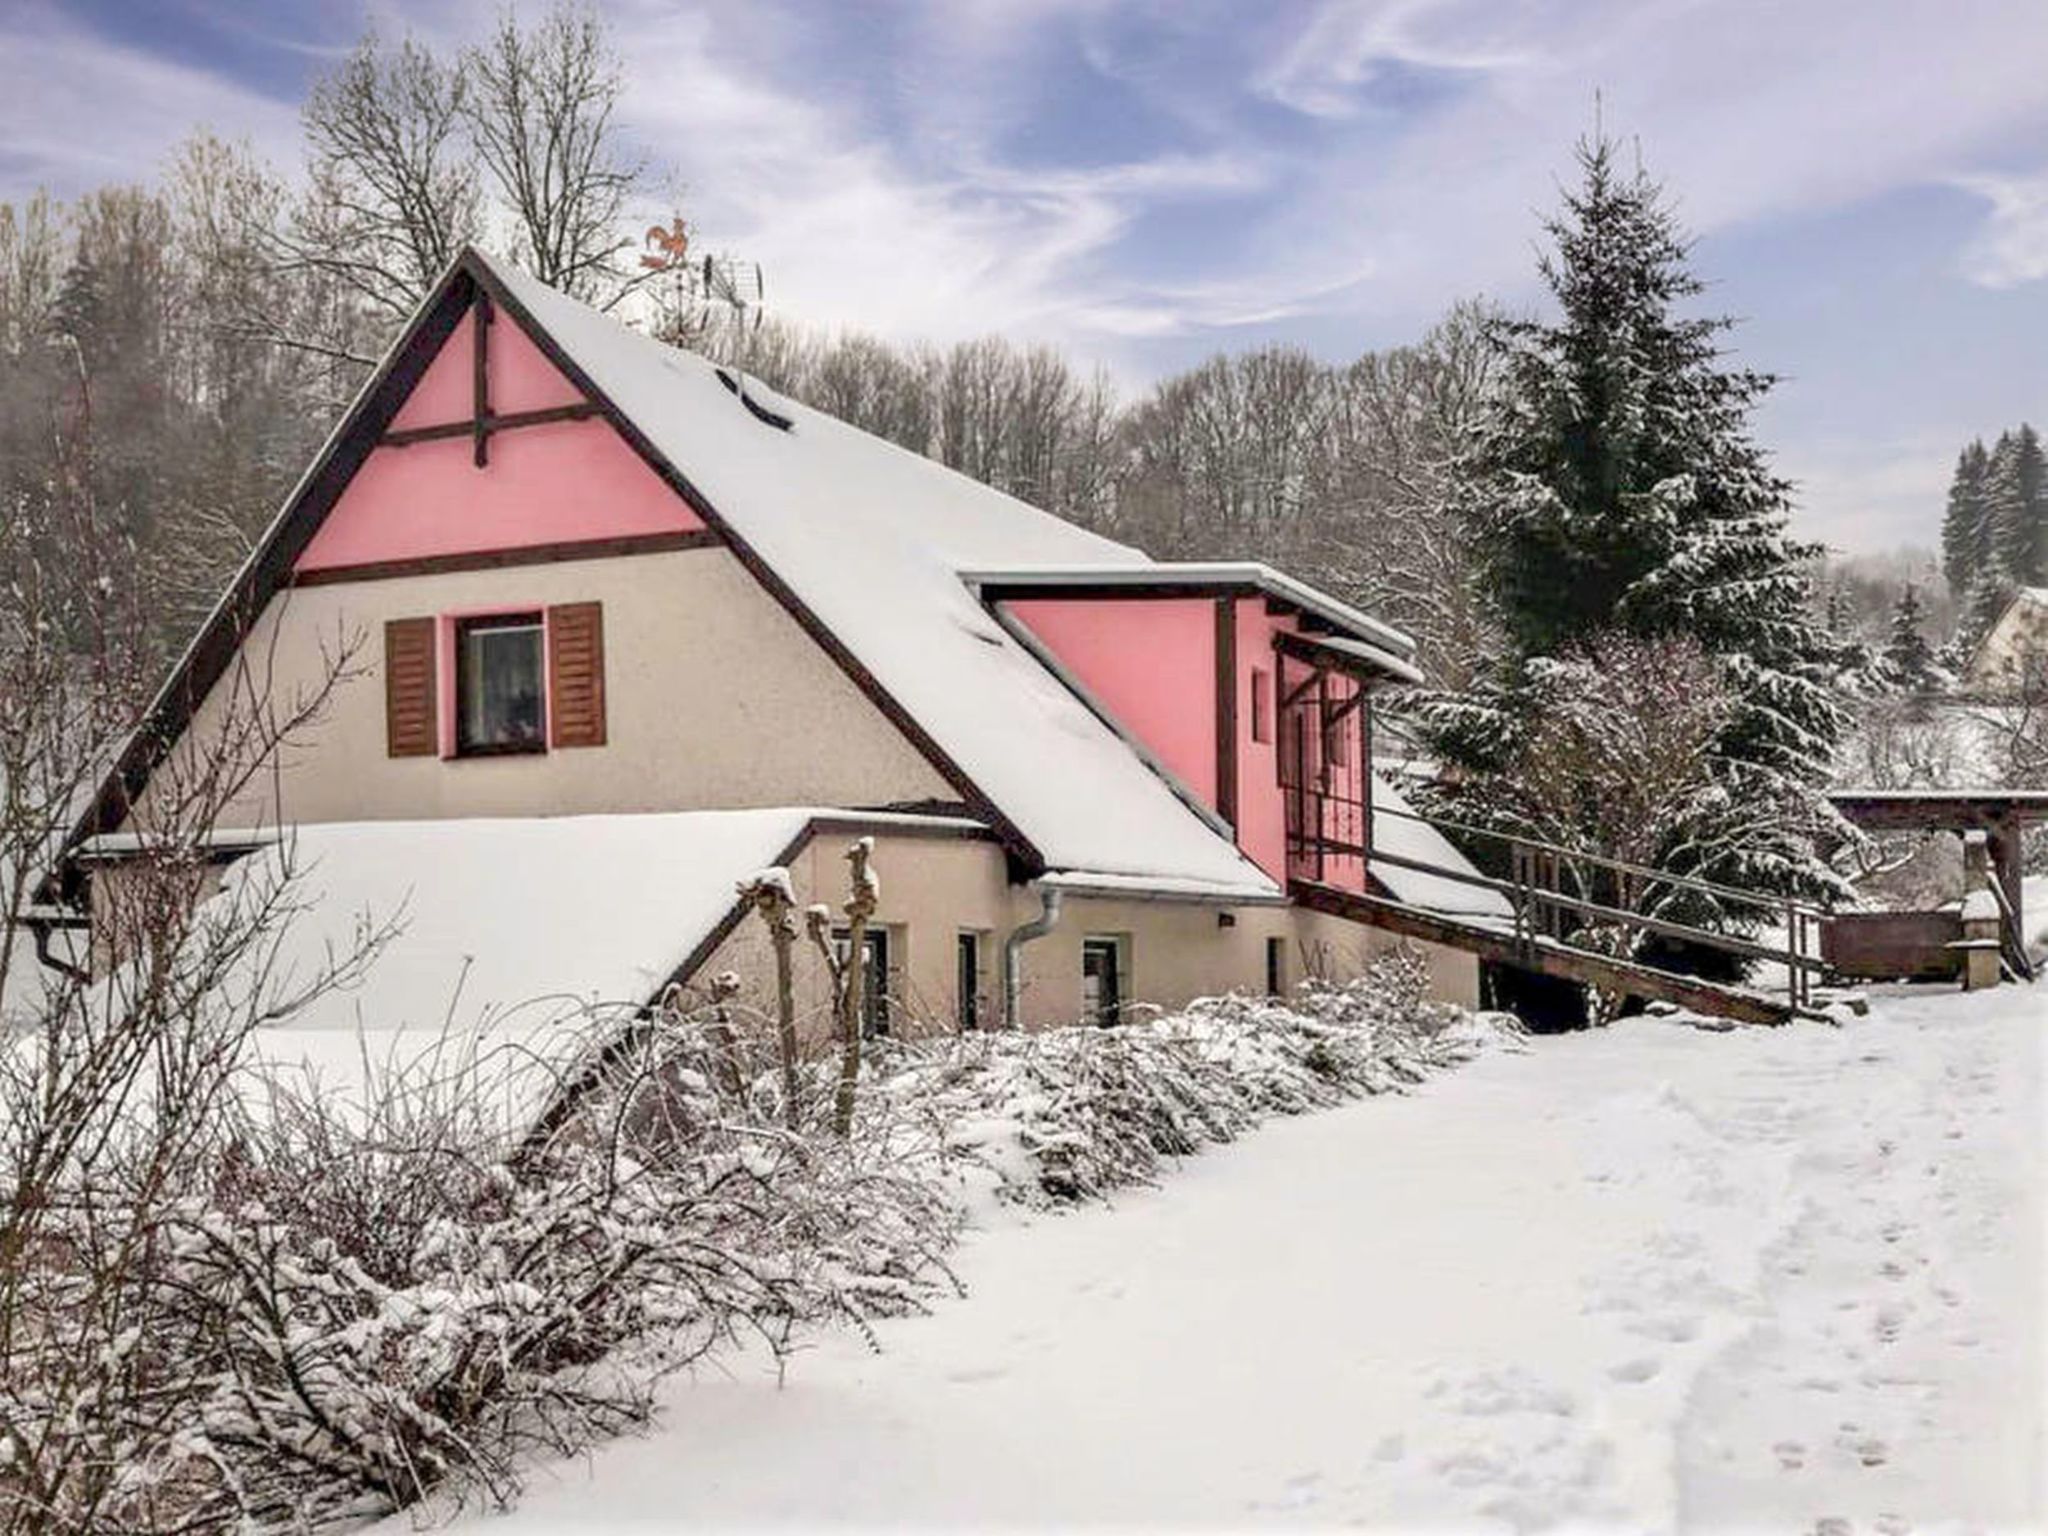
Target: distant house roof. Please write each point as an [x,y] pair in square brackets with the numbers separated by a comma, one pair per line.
[2020,631]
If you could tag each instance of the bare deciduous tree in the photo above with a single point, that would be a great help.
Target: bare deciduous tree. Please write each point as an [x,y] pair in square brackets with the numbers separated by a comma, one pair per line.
[538,105]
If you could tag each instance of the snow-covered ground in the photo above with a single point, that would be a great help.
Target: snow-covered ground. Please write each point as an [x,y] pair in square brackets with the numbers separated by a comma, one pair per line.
[1647,1278]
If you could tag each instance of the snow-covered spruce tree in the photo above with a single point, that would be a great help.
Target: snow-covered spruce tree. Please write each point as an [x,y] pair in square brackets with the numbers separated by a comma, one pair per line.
[1908,658]
[2016,504]
[1617,489]
[1966,523]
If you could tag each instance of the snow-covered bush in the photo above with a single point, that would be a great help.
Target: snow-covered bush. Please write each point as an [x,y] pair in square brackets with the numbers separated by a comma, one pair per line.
[1074,1113]
[351,1301]
[374,1303]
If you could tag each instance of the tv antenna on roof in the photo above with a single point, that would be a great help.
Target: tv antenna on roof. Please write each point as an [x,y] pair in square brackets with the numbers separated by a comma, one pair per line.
[698,289]
[695,293]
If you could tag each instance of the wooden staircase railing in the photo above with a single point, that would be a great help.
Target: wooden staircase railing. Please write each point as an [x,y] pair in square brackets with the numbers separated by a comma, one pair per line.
[1543,907]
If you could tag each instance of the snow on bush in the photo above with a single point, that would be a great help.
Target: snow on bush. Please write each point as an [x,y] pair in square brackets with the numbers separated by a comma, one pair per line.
[354,1305]
[369,1309]
[1072,1114]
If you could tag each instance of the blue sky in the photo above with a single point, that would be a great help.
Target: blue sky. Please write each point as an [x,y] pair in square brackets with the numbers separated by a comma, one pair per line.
[1146,181]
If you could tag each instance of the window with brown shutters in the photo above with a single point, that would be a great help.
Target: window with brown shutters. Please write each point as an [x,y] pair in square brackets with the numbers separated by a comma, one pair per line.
[411,715]
[576,674]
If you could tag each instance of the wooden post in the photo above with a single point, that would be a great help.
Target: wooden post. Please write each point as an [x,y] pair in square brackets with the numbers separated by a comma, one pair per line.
[2002,840]
[480,375]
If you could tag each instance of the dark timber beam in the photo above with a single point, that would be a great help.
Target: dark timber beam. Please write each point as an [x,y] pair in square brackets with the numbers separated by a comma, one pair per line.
[1226,710]
[480,371]
[483,426]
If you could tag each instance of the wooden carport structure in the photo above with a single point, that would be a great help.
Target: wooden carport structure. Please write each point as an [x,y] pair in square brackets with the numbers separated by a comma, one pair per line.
[2002,815]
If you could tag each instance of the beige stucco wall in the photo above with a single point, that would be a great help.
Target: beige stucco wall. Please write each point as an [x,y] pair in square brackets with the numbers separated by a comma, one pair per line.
[2016,650]
[933,888]
[715,698]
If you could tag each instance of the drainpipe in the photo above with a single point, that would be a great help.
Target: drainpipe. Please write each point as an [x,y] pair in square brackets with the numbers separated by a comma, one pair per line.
[1013,952]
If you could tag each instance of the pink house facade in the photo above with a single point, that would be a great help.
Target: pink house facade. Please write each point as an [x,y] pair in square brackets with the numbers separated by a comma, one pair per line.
[597,577]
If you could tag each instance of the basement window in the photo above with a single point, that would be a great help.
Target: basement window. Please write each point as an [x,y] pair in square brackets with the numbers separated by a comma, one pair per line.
[500,685]
[967,977]
[1102,980]
[874,990]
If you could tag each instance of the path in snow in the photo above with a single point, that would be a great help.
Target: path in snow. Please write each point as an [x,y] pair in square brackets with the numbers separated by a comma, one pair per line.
[1650,1277]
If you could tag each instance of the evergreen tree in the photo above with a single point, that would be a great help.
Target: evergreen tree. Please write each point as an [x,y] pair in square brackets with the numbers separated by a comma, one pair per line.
[1617,489]
[1965,526]
[2016,505]
[1908,658]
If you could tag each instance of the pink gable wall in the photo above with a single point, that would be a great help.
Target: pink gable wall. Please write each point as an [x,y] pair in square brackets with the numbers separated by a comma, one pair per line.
[1152,664]
[555,484]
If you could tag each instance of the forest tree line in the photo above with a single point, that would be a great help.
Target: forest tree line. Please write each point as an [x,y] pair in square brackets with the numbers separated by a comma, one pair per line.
[172,353]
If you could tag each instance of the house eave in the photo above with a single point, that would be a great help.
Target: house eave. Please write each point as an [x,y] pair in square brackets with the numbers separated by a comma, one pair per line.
[1190,579]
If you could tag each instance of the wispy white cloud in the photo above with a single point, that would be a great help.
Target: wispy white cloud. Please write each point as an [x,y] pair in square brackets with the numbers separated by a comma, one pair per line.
[1327,70]
[2011,246]
[945,238]
[77,109]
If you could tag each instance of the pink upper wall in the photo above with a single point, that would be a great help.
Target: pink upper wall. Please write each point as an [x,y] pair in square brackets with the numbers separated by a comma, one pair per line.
[1152,664]
[522,378]
[560,483]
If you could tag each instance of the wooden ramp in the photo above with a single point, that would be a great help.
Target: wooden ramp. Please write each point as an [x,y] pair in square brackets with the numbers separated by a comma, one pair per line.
[1546,955]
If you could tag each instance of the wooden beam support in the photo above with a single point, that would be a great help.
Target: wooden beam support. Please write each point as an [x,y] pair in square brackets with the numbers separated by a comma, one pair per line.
[1543,955]
[480,374]
[509,422]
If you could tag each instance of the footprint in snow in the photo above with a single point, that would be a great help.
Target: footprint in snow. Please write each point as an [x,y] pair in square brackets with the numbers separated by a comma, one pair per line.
[979,1373]
[1889,1325]
[1791,1455]
[1635,1370]
[1675,1330]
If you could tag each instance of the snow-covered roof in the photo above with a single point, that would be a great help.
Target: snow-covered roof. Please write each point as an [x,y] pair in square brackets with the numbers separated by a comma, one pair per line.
[1406,836]
[1345,648]
[515,935]
[873,540]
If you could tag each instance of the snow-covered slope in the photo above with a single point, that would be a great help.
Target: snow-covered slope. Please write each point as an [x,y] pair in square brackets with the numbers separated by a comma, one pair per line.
[1648,1278]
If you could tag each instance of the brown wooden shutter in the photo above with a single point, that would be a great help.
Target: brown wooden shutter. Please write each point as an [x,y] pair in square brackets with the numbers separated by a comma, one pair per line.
[412,724]
[576,674]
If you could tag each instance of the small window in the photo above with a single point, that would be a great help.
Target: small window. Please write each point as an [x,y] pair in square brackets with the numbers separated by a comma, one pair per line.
[1262,704]
[1102,981]
[874,1001]
[1276,967]
[967,979]
[500,685]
